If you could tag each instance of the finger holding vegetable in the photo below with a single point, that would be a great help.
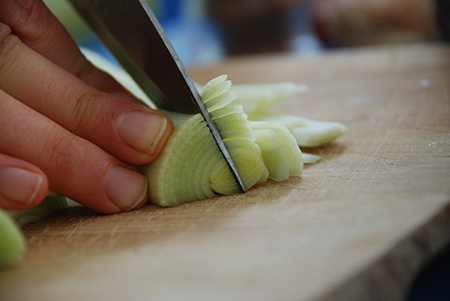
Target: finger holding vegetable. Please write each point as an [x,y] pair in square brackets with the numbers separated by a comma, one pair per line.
[64,124]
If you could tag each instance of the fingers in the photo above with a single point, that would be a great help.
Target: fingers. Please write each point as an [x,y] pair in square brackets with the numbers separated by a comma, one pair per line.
[129,131]
[22,185]
[40,30]
[75,167]
[55,113]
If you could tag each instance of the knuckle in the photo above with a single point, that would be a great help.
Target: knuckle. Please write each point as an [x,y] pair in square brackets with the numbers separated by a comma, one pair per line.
[64,154]
[30,21]
[84,111]
[5,31]
[21,13]
[8,45]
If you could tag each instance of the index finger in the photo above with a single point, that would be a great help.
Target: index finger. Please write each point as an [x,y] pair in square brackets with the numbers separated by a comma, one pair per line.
[132,132]
[40,30]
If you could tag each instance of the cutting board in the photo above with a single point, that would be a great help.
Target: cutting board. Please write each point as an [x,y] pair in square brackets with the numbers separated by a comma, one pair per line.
[358,225]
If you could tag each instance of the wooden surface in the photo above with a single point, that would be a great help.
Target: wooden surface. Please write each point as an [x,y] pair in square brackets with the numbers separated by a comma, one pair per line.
[356,226]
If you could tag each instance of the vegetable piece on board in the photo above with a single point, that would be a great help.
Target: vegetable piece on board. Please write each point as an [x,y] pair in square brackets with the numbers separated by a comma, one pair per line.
[258,101]
[191,166]
[12,240]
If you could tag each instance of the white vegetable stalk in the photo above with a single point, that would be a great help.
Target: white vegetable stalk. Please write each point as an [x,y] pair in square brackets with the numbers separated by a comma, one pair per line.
[191,166]
[12,240]
[258,100]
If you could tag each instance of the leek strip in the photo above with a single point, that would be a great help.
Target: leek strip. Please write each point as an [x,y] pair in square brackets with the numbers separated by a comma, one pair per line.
[52,203]
[191,167]
[280,151]
[258,100]
[308,133]
[310,158]
[12,241]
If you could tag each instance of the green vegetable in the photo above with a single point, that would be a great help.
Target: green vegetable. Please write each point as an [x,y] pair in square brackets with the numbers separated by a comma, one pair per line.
[12,240]
[258,100]
[192,168]
[280,151]
[52,203]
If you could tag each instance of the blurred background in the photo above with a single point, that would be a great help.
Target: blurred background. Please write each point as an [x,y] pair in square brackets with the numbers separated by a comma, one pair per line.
[204,31]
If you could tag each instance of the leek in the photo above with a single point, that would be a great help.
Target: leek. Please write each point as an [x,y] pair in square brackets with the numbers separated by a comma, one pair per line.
[12,240]
[191,166]
[52,203]
[258,100]
[263,145]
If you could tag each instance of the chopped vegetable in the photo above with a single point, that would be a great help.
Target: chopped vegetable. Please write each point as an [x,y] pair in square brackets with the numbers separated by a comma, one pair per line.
[12,240]
[258,100]
[191,166]
[52,203]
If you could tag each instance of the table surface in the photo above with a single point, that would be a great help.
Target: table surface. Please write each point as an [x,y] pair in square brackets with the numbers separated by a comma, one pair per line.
[357,225]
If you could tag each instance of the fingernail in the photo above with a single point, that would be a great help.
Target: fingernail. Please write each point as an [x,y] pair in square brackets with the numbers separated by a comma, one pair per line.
[20,185]
[141,130]
[125,188]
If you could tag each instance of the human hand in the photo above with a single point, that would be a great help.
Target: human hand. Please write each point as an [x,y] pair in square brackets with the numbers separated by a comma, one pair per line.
[65,125]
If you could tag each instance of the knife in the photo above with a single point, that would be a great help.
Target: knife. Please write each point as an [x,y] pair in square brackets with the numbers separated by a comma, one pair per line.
[132,33]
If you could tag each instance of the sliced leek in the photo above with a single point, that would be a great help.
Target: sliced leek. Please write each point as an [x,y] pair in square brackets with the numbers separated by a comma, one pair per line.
[52,203]
[12,240]
[191,167]
[258,101]
[280,151]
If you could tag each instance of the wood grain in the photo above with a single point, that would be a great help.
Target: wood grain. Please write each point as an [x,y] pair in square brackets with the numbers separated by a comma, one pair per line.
[356,226]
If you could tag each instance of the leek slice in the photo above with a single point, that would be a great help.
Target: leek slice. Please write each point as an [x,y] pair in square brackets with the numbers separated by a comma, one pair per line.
[258,100]
[191,167]
[308,133]
[12,242]
[52,203]
[280,151]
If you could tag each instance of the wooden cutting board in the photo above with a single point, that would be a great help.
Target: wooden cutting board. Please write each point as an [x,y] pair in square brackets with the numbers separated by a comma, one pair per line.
[356,226]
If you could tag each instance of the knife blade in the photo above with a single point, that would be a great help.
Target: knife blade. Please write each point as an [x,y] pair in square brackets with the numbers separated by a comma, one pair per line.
[132,33]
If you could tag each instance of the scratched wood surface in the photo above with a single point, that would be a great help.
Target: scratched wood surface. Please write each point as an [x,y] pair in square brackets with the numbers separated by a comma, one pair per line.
[356,226]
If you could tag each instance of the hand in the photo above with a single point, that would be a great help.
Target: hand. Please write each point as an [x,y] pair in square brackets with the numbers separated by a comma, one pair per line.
[65,125]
